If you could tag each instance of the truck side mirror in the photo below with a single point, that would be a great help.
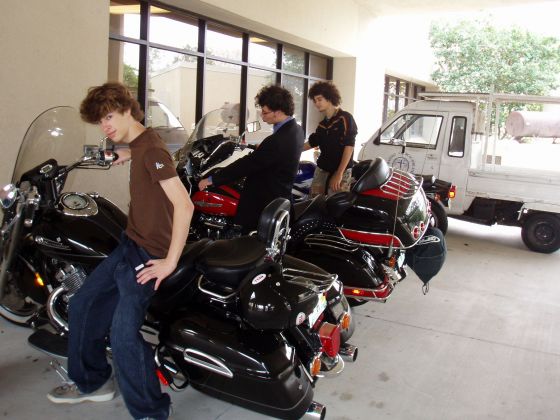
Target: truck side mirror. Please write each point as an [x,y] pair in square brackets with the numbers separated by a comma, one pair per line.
[377,140]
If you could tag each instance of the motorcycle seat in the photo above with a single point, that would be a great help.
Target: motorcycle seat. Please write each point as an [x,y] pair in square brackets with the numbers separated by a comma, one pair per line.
[308,215]
[226,262]
[338,203]
[370,175]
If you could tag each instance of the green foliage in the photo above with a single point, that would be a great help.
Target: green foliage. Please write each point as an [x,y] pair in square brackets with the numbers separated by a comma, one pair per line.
[130,77]
[476,57]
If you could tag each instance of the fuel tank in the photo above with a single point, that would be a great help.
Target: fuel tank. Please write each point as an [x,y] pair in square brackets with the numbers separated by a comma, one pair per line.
[257,370]
[218,201]
[80,234]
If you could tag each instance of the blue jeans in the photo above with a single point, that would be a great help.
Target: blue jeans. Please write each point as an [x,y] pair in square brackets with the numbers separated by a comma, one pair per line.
[112,303]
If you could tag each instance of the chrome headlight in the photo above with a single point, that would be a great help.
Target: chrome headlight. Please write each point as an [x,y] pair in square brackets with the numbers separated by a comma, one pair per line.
[8,195]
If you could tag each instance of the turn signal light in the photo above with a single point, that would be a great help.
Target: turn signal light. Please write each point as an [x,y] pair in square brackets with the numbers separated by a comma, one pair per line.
[315,367]
[39,280]
[416,232]
[452,191]
[345,321]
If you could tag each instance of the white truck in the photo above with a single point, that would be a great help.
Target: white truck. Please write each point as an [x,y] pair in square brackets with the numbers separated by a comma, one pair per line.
[503,171]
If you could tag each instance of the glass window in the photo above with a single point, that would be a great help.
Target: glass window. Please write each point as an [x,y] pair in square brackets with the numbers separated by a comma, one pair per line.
[318,66]
[223,42]
[262,52]
[123,64]
[293,60]
[296,86]
[169,28]
[124,18]
[171,96]
[420,131]
[256,80]
[458,135]
[223,81]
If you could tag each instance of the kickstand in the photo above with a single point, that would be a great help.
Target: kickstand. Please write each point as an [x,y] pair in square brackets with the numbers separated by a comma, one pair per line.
[61,371]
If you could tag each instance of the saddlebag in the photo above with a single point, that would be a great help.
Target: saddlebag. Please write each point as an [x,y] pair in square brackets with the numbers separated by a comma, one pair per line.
[252,369]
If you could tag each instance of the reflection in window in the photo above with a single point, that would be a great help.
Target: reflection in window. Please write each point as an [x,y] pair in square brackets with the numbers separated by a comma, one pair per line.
[416,130]
[223,42]
[262,52]
[293,60]
[124,18]
[224,82]
[458,135]
[296,86]
[172,29]
[318,66]
[123,64]
[171,98]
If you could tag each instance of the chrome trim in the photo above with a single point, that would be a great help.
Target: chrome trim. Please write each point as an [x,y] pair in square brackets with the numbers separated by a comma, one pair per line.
[215,365]
[90,209]
[348,352]
[331,241]
[335,366]
[322,281]
[213,294]
[51,311]
[315,411]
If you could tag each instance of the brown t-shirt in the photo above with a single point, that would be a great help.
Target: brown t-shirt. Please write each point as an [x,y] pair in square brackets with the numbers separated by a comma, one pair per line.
[150,215]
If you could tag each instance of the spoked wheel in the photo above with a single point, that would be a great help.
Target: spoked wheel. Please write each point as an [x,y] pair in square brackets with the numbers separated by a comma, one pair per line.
[541,232]
[15,307]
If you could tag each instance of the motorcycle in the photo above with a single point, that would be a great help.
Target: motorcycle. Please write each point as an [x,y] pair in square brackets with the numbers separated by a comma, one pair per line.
[361,235]
[238,319]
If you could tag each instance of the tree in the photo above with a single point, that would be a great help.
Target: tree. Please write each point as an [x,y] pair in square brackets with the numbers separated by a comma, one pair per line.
[476,57]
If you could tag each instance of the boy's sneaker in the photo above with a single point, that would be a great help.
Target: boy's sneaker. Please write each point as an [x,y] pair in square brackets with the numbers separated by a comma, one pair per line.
[69,393]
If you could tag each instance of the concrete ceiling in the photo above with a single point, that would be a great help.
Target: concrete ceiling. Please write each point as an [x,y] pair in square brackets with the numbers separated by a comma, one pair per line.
[399,7]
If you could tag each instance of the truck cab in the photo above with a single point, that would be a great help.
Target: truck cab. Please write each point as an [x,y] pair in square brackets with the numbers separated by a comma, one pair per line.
[462,139]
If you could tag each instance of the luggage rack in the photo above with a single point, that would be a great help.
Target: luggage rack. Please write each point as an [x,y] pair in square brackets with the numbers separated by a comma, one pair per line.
[322,281]
[331,241]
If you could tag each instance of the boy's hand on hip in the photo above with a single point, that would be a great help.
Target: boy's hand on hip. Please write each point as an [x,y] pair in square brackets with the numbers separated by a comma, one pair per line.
[157,270]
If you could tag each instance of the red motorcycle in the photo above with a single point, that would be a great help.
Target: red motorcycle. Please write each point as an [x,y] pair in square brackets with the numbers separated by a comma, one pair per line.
[365,235]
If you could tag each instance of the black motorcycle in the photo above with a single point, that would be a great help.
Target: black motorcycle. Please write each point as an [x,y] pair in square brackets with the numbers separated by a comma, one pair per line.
[237,319]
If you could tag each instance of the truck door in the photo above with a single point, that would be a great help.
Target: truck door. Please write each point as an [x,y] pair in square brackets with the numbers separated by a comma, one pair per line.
[455,158]
[422,134]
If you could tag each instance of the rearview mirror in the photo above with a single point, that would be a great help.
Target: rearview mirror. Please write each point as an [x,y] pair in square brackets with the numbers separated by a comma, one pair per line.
[8,195]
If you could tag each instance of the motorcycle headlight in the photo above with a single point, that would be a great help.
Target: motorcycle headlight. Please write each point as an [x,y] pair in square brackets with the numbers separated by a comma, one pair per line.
[8,195]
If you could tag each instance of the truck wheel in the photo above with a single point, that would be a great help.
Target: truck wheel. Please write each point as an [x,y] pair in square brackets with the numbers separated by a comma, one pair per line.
[541,232]
[439,216]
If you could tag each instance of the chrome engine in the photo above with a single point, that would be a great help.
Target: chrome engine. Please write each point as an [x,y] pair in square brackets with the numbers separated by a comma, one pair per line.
[71,278]
[216,227]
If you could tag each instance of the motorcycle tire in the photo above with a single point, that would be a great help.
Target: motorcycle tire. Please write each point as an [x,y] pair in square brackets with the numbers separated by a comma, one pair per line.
[346,334]
[439,216]
[16,310]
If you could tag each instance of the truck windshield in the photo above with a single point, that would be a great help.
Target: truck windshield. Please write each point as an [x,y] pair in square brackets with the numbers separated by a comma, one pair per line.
[417,130]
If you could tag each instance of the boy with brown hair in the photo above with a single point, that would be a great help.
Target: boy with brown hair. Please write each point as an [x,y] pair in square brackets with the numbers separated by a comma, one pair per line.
[335,136]
[114,298]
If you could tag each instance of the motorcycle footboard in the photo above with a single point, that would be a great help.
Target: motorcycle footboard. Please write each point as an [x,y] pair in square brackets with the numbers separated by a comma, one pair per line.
[255,370]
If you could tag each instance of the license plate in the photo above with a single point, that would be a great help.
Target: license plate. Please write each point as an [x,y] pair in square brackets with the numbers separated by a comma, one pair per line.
[318,310]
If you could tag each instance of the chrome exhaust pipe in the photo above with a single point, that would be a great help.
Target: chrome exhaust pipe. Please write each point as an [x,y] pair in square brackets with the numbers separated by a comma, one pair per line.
[315,411]
[348,352]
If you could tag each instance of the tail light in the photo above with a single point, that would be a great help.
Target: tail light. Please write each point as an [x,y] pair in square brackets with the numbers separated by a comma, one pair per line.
[330,338]
[416,232]
[452,191]
[382,292]
[162,377]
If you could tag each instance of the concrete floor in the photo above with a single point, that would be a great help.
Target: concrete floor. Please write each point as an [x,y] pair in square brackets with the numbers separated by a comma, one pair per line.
[483,344]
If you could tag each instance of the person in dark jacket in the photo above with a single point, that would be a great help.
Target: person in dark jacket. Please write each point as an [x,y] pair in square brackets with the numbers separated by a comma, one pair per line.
[335,137]
[271,169]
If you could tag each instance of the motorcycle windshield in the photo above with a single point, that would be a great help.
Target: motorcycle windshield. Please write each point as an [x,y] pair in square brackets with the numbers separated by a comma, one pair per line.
[223,121]
[58,133]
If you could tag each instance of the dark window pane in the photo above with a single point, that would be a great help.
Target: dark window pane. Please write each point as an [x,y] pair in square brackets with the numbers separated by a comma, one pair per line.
[293,60]
[124,18]
[223,42]
[262,52]
[168,28]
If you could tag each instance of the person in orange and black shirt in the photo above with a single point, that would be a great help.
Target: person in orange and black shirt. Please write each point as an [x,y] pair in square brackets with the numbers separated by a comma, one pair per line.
[335,137]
